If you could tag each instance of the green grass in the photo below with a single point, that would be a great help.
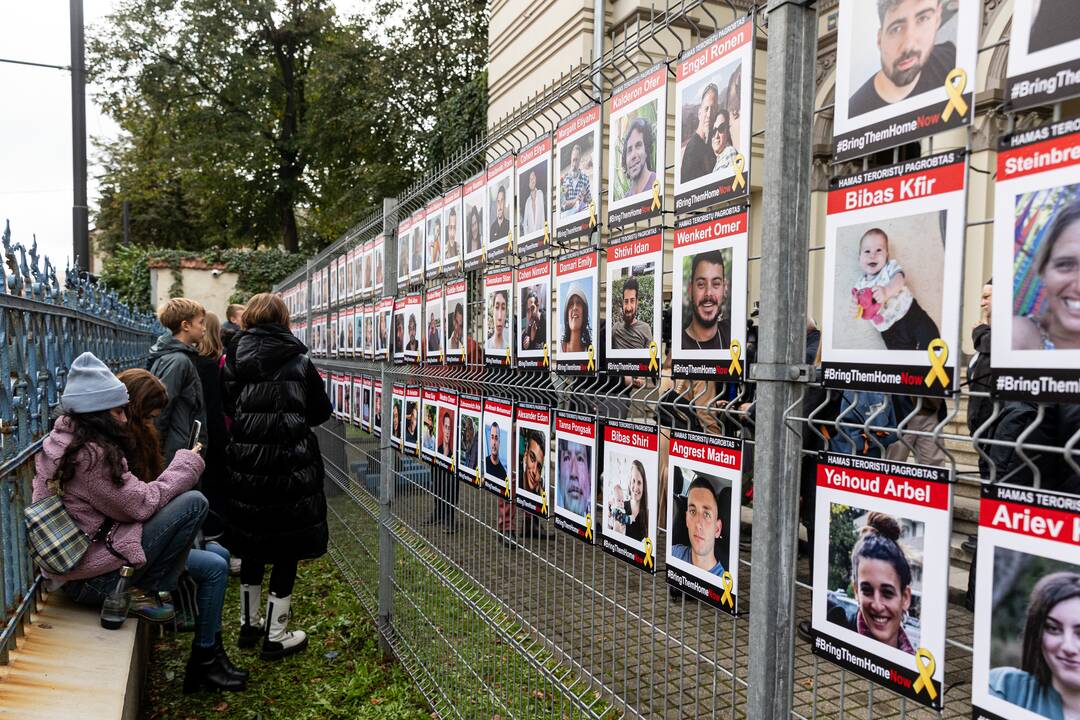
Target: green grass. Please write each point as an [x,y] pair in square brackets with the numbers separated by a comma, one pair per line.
[341,675]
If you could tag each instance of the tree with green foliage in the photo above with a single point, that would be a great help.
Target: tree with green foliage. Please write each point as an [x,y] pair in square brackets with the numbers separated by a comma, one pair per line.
[251,123]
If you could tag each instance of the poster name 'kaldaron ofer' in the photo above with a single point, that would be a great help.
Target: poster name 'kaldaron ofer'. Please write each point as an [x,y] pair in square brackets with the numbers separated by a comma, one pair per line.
[1035,346]
[904,71]
[894,241]
[881,564]
[637,112]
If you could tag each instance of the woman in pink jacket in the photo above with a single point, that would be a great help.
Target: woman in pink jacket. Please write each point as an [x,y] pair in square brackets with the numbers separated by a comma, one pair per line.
[147,525]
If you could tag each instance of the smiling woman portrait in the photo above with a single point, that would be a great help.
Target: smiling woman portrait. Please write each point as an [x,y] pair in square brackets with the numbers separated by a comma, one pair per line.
[1048,681]
[881,578]
[1057,263]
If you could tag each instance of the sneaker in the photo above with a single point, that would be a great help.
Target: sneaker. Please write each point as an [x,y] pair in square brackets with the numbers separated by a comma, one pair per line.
[234,566]
[151,608]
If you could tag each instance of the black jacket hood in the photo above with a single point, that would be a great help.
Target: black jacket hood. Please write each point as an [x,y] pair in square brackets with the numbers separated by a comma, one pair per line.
[261,350]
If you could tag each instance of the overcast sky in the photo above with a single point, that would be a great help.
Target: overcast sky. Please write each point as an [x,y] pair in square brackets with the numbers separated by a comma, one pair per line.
[35,124]
[35,121]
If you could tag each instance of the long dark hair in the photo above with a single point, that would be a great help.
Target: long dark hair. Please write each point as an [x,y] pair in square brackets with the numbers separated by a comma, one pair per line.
[105,441]
[641,522]
[146,395]
[1047,593]
[879,539]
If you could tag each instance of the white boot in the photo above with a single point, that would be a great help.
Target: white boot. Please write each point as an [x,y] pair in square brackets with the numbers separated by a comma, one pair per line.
[279,641]
[251,625]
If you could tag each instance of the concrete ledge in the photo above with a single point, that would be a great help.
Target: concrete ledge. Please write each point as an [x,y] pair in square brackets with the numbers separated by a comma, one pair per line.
[68,666]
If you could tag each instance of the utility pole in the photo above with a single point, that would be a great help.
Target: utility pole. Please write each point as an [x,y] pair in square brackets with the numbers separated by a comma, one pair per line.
[789,115]
[80,219]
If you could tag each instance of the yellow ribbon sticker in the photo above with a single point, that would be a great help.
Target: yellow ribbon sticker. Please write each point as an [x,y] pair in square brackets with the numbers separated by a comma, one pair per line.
[483,253]
[939,354]
[735,368]
[729,582]
[401,444]
[592,362]
[653,364]
[588,526]
[955,83]
[442,356]
[507,353]
[479,476]
[740,180]
[656,195]
[547,234]
[543,504]
[648,561]
[924,662]
[453,465]
[592,214]
[506,488]
[510,240]
[546,361]
[463,351]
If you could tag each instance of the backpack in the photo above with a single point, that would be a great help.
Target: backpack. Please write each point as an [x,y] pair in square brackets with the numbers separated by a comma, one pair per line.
[856,407]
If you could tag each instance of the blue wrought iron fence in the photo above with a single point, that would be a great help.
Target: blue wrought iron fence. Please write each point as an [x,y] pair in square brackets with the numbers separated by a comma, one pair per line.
[44,325]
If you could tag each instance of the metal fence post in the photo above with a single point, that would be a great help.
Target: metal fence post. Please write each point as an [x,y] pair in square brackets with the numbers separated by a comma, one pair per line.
[792,26]
[387,455]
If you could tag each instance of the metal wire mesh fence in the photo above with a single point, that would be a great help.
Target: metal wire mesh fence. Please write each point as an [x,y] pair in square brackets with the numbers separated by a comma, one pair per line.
[539,624]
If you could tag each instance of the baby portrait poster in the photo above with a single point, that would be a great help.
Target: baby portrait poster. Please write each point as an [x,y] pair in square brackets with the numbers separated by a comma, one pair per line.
[893,239]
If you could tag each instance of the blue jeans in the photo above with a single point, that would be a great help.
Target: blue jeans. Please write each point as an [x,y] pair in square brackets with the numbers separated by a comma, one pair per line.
[209,569]
[166,539]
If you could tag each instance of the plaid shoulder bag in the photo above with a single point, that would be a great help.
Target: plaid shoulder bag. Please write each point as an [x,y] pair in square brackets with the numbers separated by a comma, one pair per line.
[56,542]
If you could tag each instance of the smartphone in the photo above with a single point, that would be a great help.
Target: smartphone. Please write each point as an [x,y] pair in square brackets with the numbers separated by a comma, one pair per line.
[196,428]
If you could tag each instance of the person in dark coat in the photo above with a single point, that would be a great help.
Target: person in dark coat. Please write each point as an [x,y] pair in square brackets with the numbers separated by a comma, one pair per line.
[1059,423]
[208,365]
[275,506]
